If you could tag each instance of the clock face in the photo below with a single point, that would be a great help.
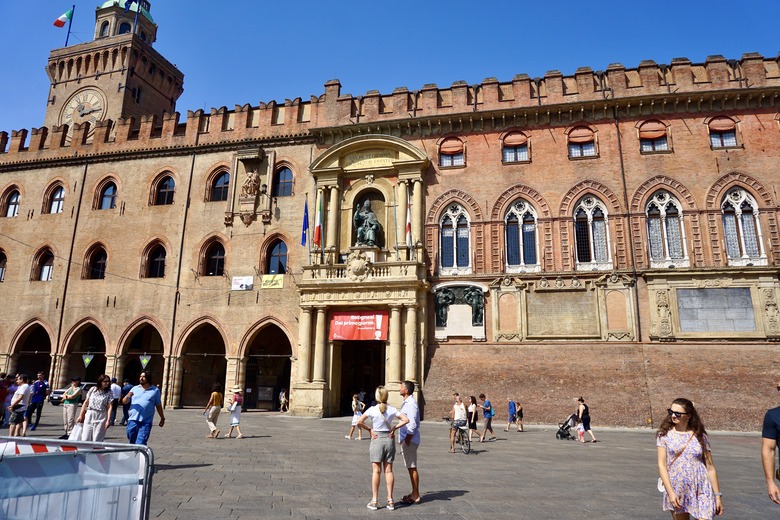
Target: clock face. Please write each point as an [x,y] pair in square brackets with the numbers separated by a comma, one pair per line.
[88,104]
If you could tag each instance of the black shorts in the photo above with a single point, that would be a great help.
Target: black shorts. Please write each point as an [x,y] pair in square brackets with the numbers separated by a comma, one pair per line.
[18,417]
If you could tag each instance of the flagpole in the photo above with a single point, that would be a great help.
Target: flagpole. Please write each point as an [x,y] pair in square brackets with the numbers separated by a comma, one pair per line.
[137,10]
[70,23]
[395,223]
[308,227]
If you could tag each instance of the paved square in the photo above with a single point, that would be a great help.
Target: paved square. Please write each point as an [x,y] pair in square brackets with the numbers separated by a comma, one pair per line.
[292,467]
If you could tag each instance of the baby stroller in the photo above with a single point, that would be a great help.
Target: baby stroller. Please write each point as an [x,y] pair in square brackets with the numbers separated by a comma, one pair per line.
[565,426]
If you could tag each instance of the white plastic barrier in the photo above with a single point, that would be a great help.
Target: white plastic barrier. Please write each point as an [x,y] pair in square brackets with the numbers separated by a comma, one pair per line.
[57,479]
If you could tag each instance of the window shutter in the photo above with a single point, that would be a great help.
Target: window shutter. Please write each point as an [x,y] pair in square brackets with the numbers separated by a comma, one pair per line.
[722,124]
[581,134]
[652,130]
[515,139]
[451,146]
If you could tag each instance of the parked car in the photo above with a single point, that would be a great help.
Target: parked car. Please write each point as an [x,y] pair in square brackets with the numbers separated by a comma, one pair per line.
[55,397]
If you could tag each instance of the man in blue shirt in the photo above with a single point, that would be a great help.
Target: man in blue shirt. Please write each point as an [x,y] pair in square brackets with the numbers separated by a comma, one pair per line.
[409,440]
[143,399]
[487,410]
[770,437]
[40,389]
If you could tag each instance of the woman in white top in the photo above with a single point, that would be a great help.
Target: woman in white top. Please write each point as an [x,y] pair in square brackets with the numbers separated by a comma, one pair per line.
[96,411]
[382,449]
[458,415]
[472,415]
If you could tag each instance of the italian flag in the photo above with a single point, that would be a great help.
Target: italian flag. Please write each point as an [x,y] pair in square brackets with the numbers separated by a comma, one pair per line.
[408,234]
[60,22]
[317,240]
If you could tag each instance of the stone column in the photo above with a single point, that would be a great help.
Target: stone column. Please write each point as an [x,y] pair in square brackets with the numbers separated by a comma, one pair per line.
[178,371]
[304,346]
[110,365]
[401,221]
[333,219]
[231,374]
[119,367]
[393,369]
[410,343]
[241,376]
[62,372]
[418,211]
[320,342]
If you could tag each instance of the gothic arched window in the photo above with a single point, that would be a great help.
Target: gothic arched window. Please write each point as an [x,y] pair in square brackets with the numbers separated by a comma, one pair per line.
[742,229]
[454,252]
[214,259]
[277,258]
[591,234]
[665,231]
[521,243]
[282,185]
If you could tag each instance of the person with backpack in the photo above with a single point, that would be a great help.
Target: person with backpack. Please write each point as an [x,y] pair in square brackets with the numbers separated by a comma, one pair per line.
[513,417]
[488,412]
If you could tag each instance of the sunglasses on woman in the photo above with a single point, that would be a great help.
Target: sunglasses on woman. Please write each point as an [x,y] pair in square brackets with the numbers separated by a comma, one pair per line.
[673,413]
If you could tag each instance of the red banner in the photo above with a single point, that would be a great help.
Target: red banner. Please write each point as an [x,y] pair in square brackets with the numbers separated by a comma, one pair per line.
[358,325]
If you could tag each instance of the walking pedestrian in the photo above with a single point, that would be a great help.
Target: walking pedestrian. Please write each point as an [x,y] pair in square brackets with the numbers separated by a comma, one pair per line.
[234,407]
[583,415]
[10,385]
[283,401]
[688,475]
[70,405]
[459,418]
[357,411]
[213,407]
[382,449]
[126,387]
[409,440]
[472,416]
[144,399]
[19,403]
[116,394]
[40,389]
[512,412]
[96,411]
[488,413]
[3,394]
[770,437]
[520,426]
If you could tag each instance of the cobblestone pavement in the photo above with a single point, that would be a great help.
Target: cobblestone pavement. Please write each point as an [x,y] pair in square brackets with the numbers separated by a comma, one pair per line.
[292,467]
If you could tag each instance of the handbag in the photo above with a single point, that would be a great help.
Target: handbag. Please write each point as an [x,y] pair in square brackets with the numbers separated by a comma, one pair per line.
[661,488]
[232,407]
[75,433]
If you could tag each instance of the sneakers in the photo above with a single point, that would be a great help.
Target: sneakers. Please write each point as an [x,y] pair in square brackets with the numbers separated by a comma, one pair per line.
[32,428]
[348,437]
[373,505]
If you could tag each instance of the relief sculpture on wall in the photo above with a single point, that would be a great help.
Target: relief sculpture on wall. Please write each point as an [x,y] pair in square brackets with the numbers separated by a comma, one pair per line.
[471,296]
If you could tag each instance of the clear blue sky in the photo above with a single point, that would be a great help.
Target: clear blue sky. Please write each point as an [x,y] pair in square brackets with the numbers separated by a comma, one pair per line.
[247,51]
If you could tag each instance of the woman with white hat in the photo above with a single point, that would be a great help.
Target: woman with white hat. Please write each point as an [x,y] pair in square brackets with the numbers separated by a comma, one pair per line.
[234,407]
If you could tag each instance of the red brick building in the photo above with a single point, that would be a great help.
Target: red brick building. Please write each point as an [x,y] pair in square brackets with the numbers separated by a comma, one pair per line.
[608,234]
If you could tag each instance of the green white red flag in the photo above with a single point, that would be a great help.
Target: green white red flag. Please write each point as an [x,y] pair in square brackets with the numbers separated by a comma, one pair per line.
[60,22]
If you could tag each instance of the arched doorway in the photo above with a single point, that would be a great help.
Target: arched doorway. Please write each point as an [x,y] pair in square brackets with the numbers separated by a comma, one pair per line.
[203,363]
[33,352]
[88,341]
[144,341]
[267,368]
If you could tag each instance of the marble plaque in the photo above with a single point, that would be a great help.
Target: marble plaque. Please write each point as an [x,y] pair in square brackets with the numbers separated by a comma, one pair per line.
[716,310]
[553,314]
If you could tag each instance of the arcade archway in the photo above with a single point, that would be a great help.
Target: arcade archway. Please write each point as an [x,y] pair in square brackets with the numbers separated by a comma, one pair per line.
[267,368]
[33,352]
[89,342]
[203,364]
[143,343]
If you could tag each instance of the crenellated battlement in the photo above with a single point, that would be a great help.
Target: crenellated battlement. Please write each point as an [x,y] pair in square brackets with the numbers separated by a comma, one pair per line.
[297,118]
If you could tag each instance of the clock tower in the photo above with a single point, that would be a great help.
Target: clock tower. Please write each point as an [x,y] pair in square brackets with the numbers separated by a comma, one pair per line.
[117,75]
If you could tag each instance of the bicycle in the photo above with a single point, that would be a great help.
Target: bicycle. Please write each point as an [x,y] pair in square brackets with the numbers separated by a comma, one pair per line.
[462,436]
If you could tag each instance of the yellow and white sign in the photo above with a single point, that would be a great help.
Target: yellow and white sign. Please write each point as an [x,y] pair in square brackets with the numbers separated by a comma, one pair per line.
[272,281]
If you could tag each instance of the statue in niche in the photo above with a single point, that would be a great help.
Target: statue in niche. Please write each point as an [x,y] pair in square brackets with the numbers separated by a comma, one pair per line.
[473,296]
[367,226]
[251,185]
[443,299]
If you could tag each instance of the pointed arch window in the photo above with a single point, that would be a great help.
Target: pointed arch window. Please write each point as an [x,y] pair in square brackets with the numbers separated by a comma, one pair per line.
[214,260]
[96,263]
[665,231]
[742,229]
[282,185]
[3,262]
[155,262]
[56,200]
[591,235]
[11,203]
[521,238]
[107,196]
[43,269]
[455,231]
[277,258]
[164,191]
[125,28]
[219,187]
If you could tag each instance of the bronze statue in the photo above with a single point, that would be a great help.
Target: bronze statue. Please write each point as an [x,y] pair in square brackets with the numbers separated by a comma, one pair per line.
[367,226]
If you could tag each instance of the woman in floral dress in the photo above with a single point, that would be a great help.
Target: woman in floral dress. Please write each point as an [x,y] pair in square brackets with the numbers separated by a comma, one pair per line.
[691,489]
